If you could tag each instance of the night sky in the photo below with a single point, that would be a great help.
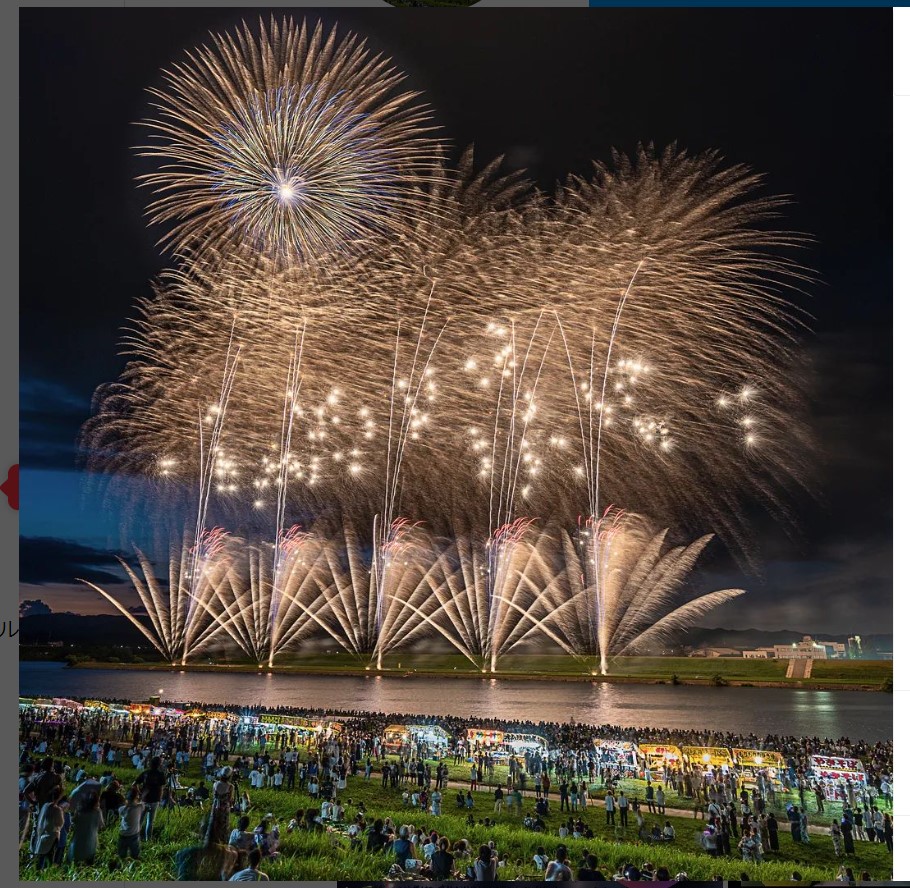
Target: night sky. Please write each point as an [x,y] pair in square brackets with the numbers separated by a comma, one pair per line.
[803,96]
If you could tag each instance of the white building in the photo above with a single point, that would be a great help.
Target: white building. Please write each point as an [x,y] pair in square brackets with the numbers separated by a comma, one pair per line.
[760,654]
[809,649]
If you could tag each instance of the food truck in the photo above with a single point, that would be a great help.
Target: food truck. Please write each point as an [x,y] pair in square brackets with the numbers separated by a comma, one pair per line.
[617,754]
[836,774]
[708,758]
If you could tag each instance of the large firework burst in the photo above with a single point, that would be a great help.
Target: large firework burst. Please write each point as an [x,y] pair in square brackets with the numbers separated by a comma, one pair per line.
[286,142]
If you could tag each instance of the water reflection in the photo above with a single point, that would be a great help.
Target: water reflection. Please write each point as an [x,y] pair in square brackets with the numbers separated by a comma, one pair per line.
[858,714]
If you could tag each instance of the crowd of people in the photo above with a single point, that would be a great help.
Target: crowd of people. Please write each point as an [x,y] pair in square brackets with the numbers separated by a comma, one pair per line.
[236,755]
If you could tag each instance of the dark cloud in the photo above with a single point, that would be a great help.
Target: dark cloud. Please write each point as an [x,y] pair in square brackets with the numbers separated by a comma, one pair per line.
[33,607]
[50,415]
[846,588]
[46,560]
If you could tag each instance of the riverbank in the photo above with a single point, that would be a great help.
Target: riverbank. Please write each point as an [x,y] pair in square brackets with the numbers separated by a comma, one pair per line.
[850,675]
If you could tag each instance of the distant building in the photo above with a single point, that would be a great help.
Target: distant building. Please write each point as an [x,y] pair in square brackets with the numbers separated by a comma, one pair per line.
[809,649]
[715,652]
[759,654]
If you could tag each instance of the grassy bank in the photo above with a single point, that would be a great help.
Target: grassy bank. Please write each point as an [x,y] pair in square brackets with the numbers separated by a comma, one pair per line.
[826,674]
[325,856]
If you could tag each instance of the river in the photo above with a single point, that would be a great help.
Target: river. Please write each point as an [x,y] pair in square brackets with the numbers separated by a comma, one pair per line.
[863,715]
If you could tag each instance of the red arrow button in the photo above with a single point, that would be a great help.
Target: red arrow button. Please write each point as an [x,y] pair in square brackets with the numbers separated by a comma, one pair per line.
[10,487]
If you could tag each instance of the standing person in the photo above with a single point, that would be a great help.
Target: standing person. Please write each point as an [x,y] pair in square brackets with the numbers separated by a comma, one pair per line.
[152,782]
[803,826]
[868,823]
[86,825]
[649,798]
[610,808]
[130,825]
[661,800]
[846,829]
[889,833]
[773,841]
[48,827]
[222,801]
[837,838]
[623,805]
[497,799]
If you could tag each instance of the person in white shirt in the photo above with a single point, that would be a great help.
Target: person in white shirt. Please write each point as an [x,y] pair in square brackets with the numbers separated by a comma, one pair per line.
[255,779]
[541,860]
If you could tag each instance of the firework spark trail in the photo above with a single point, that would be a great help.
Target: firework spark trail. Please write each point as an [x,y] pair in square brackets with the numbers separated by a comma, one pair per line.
[387,529]
[291,408]
[208,457]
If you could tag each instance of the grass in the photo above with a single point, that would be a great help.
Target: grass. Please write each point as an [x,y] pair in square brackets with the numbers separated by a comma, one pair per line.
[870,674]
[323,856]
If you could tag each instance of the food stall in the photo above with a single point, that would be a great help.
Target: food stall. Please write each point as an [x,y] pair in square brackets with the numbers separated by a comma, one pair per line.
[708,757]
[836,774]
[97,704]
[484,738]
[395,736]
[434,736]
[617,754]
[659,756]
[524,744]
[752,762]
[309,727]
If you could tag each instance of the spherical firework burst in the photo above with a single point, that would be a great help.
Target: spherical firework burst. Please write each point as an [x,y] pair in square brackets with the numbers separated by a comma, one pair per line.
[288,143]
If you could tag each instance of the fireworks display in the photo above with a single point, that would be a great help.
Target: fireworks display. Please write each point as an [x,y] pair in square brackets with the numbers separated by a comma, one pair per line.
[467,350]
[287,143]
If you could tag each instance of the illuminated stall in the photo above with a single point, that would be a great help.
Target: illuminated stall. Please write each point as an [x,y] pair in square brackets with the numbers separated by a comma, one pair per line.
[836,774]
[753,762]
[659,757]
[432,735]
[97,704]
[708,757]
[395,736]
[525,744]
[617,754]
[311,728]
[484,737]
